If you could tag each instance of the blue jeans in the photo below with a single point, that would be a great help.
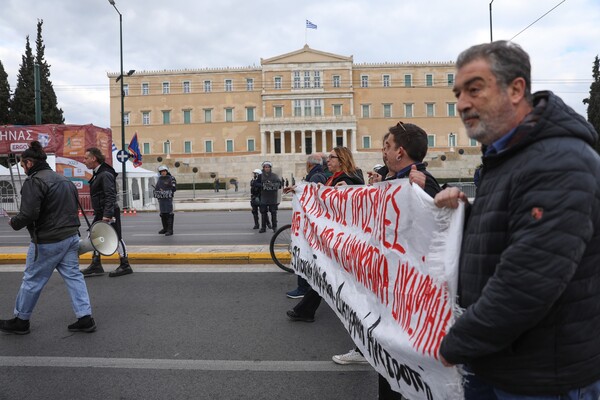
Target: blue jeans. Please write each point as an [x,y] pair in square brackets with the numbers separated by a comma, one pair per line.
[475,389]
[62,256]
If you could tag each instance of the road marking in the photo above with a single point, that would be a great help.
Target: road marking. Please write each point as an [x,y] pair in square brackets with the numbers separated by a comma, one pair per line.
[200,234]
[186,268]
[198,365]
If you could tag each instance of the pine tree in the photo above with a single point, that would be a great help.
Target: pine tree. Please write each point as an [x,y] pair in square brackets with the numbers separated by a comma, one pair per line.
[23,101]
[593,101]
[4,97]
[51,114]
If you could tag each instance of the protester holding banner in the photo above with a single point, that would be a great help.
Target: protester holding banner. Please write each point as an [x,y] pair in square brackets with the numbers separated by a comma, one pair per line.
[166,185]
[530,261]
[103,190]
[341,164]
[49,211]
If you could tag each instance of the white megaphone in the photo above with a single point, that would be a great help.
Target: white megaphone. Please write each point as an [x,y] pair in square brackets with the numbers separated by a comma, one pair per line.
[102,238]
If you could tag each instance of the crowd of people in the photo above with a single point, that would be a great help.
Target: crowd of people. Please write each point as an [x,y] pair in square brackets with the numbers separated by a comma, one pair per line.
[529,269]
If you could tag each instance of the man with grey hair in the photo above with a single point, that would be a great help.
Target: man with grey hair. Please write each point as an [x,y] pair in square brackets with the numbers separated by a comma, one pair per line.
[529,279]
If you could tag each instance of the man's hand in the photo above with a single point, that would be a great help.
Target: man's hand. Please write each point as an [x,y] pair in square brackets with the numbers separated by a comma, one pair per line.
[450,197]
[373,177]
[289,189]
[417,177]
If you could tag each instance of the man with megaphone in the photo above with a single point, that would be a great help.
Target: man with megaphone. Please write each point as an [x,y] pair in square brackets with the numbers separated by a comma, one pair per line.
[103,191]
[49,211]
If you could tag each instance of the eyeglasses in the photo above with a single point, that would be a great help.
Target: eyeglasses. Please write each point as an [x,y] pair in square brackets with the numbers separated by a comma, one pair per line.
[401,125]
[329,157]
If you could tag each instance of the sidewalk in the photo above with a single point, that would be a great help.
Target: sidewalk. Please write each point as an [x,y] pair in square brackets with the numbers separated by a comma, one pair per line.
[204,200]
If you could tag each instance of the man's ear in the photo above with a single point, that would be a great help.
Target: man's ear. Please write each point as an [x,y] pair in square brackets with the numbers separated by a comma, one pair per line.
[516,90]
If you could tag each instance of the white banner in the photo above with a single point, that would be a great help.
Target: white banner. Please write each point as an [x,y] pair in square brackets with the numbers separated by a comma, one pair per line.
[385,259]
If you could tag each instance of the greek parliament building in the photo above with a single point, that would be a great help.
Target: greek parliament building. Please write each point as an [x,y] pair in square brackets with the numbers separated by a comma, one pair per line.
[223,122]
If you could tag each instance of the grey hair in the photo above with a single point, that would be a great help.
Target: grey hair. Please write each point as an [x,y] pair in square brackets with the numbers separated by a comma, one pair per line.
[507,60]
[315,159]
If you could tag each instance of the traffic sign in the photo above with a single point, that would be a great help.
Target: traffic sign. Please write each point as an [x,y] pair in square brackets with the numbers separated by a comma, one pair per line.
[123,156]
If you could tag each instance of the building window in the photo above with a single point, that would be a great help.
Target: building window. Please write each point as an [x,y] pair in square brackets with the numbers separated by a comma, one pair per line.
[337,110]
[208,116]
[208,146]
[166,86]
[429,79]
[126,118]
[317,79]
[472,142]
[430,109]
[187,87]
[249,84]
[146,148]
[297,108]
[450,79]
[408,110]
[229,115]
[187,116]
[278,111]
[366,142]
[336,81]
[187,146]
[166,117]
[452,140]
[452,109]
[366,110]
[387,111]
[229,145]
[125,89]
[296,79]
[306,79]
[228,85]
[386,81]
[430,140]
[145,89]
[318,108]
[207,86]
[146,118]
[250,114]
[251,146]
[408,80]
[364,81]
[167,147]
[277,83]
[307,108]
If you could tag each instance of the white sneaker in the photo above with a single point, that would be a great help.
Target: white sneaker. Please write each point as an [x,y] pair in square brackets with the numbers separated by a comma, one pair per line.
[351,357]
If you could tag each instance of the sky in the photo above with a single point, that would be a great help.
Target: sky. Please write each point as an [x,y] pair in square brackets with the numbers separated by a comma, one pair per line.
[82,38]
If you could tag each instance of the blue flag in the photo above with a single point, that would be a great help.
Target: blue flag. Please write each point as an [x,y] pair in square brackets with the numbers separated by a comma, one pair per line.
[310,25]
[134,148]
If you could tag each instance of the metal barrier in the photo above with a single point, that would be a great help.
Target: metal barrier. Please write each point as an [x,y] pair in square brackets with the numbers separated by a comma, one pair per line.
[468,188]
[9,199]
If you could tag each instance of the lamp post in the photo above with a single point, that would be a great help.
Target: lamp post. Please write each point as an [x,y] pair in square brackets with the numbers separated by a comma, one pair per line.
[491,38]
[120,78]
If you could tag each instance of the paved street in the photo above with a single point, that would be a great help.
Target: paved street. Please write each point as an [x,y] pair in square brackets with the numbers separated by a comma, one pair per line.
[185,332]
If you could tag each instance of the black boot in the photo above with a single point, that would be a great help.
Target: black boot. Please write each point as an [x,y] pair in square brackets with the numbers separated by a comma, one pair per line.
[263,226]
[170,218]
[274,220]
[123,269]
[95,268]
[255,221]
[163,219]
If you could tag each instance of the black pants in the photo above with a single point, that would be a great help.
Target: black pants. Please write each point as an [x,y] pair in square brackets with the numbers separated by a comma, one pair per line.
[309,304]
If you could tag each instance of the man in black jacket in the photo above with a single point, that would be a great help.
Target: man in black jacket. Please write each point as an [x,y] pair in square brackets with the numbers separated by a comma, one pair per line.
[49,211]
[530,260]
[103,190]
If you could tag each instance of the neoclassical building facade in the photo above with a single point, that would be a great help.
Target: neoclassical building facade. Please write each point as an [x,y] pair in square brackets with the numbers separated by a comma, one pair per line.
[227,120]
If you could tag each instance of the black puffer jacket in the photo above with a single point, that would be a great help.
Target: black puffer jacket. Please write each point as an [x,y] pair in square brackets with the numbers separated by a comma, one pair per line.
[103,190]
[530,259]
[48,207]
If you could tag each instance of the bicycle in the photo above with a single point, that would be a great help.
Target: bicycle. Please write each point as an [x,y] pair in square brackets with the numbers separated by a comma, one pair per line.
[281,248]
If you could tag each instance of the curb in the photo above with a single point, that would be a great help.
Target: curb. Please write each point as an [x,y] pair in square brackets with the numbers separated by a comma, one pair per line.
[166,258]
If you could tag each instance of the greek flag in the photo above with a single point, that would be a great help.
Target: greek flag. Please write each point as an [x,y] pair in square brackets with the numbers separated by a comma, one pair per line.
[310,25]
[114,147]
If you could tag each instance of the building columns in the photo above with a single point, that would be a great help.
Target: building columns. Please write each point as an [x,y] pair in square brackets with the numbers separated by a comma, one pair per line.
[263,143]
[293,142]
[353,140]
[323,141]
[272,142]
[303,143]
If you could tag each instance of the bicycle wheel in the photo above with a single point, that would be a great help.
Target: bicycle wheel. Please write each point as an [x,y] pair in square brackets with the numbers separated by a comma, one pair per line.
[280,248]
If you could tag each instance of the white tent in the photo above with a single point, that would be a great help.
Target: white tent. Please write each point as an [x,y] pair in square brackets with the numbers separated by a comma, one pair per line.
[140,182]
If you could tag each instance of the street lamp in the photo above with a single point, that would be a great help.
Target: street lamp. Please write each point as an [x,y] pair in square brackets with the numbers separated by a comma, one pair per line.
[120,78]
[491,36]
